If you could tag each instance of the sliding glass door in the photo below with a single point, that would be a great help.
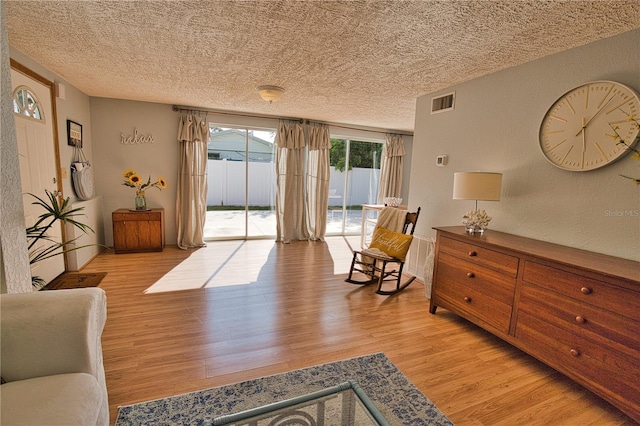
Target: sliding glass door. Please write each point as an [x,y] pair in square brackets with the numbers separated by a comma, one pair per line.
[355,174]
[241,183]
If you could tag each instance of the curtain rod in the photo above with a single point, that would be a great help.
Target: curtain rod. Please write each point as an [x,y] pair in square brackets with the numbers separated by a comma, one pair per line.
[180,108]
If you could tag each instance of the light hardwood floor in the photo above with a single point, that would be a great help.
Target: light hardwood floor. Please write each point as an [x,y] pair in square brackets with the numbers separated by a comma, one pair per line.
[290,308]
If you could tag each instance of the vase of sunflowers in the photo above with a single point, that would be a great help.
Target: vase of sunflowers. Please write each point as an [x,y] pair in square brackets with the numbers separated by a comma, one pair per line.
[141,200]
[134,180]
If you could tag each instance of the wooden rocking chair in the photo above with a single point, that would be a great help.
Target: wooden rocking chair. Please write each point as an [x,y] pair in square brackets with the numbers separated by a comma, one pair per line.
[387,248]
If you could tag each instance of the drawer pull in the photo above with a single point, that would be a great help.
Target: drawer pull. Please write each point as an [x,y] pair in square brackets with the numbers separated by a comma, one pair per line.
[586,290]
[471,274]
[574,352]
[473,253]
[467,299]
[580,320]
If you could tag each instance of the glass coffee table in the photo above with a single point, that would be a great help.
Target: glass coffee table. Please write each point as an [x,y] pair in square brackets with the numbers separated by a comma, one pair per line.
[345,404]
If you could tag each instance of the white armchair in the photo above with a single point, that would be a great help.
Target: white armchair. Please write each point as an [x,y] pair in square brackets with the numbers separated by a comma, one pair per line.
[51,354]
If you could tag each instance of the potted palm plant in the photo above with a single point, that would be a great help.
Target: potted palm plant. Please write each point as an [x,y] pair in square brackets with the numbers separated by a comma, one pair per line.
[40,244]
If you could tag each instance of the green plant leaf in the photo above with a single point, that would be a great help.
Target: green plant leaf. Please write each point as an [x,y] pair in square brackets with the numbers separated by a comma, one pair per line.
[37,233]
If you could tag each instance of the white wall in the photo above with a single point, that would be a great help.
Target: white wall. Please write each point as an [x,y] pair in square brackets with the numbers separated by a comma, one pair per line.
[112,118]
[15,275]
[91,242]
[494,127]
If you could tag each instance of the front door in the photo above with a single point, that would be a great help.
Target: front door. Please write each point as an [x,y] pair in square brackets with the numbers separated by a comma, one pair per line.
[37,149]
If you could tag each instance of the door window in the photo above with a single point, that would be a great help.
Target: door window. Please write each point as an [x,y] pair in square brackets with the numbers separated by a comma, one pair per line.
[26,103]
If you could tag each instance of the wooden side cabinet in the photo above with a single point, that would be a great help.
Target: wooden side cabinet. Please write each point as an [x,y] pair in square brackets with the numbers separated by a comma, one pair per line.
[138,231]
[575,310]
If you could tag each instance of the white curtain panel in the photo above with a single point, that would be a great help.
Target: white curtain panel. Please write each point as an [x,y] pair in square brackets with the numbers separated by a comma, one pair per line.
[391,169]
[191,200]
[318,176]
[290,194]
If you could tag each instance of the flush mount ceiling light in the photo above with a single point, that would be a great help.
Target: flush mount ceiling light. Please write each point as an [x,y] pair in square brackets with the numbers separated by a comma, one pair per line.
[270,93]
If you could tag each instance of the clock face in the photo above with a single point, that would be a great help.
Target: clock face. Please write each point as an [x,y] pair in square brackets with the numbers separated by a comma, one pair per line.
[578,133]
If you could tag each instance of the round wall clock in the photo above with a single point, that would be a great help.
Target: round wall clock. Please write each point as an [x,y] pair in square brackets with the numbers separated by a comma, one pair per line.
[578,133]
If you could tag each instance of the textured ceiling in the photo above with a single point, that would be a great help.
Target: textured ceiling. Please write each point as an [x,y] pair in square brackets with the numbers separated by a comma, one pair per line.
[351,62]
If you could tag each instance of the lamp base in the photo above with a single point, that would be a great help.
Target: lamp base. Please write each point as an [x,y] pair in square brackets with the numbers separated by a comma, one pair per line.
[475,230]
[476,221]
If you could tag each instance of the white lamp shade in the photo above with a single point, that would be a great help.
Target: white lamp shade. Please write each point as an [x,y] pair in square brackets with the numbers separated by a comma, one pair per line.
[482,186]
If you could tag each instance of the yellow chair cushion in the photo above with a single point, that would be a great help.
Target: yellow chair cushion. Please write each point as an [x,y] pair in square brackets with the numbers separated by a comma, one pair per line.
[394,244]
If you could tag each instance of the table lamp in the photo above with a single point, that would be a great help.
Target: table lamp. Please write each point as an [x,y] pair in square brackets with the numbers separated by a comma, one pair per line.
[478,186]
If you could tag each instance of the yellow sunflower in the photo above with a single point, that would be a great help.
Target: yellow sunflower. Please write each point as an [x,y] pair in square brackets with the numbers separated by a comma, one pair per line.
[127,173]
[162,184]
[135,179]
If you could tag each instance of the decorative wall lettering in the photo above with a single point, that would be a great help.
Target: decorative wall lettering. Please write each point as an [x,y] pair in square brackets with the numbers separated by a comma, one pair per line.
[135,139]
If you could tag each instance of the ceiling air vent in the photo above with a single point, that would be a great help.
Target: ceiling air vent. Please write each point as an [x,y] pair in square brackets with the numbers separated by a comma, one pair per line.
[443,103]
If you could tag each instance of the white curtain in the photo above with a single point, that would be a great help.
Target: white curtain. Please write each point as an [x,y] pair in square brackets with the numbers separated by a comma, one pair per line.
[191,200]
[391,170]
[290,210]
[318,176]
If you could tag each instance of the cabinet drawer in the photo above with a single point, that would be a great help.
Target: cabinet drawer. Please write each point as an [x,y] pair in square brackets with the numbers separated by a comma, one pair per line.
[606,328]
[483,280]
[587,290]
[606,372]
[504,263]
[136,216]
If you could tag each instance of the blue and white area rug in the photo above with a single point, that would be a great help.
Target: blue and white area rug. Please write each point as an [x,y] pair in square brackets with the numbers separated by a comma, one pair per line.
[397,399]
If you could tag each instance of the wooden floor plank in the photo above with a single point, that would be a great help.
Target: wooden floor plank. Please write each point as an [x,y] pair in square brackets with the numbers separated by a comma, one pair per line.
[290,308]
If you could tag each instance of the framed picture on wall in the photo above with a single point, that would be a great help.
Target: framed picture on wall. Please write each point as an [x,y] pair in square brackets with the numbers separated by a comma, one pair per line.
[74,134]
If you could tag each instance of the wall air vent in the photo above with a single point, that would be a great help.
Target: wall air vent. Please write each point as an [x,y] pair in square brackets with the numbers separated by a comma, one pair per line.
[443,103]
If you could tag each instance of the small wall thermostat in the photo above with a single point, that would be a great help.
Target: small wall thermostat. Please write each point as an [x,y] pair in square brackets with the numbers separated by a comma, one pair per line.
[441,160]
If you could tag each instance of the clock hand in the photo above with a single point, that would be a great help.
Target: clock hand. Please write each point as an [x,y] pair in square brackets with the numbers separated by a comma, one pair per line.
[584,125]
[582,128]
[597,112]
[584,141]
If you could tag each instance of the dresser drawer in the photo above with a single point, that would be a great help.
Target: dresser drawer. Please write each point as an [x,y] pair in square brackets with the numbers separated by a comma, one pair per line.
[606,372]
[491,283]
[584,289]
[598,325]
[474,306]
[473,303]
[503,263]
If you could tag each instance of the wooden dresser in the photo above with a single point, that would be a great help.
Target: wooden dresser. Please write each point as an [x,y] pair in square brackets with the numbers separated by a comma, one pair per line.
[575,310]
[138,231]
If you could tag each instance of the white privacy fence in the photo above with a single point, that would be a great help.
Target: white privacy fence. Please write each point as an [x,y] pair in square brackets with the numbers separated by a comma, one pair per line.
[226,184]
[362,187]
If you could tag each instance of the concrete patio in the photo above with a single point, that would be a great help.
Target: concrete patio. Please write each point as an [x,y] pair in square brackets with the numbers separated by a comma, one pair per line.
[227,224]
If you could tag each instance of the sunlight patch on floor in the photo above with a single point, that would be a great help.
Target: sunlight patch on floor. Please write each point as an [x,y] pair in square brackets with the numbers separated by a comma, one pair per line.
[224,263]
[341,252]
